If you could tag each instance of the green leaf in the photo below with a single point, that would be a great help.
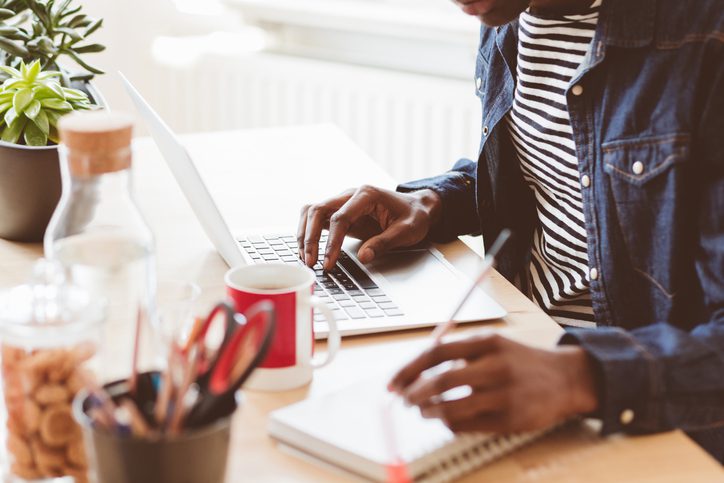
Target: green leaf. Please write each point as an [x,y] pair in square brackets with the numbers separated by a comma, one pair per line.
[57,104]
[53,136]
[48,74]
[71,12]
[22,98]
[6,13]
[38,10]
[95,25]
[33,71]
[60,8]
[81,62]
[70,33]
[55,86]
[43,122]
[5,106]
[53,117]
[33,109]
[12,72]
[14,84]
[45,92]
[11,134]
[11,116]
[13,48]
[6,30]
[74,94]
[89,49]
[77,20]
[34,136]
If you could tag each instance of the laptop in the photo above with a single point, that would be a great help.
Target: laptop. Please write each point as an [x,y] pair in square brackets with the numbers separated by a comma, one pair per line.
[405,289]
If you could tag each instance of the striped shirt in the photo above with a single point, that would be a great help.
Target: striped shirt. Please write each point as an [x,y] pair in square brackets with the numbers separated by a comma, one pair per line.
[550,50]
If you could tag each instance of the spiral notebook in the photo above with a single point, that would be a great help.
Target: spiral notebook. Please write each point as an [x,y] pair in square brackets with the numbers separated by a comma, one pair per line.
[362,429]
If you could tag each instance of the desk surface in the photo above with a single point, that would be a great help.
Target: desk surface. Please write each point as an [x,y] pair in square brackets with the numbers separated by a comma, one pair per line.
[274,172]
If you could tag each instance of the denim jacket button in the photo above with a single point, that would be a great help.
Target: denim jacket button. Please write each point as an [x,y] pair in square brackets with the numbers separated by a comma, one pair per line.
[479,82]
[577,90]
[627,417]
[638,167]
[594,273]
[586,181]
[485,130]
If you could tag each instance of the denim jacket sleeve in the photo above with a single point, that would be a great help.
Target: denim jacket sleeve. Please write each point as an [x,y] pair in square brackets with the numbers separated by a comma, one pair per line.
[456,189]
[669,377]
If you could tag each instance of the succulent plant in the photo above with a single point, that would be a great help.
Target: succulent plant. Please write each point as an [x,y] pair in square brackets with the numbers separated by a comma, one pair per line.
[45,30]
[32,101]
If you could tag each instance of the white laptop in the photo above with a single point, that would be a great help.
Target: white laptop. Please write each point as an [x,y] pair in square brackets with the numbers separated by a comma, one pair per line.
[402,290]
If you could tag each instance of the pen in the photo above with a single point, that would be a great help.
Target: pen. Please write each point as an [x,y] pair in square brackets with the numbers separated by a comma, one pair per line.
[123,422]
[133,381]
[138,424]
[100,418]
[107,406]
[166,388]
[485,269]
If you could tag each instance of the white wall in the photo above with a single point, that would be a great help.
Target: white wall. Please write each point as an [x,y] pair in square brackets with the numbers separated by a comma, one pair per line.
[182,79]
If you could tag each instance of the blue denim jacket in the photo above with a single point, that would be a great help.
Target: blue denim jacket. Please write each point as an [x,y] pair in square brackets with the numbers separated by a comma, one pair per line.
[652,95]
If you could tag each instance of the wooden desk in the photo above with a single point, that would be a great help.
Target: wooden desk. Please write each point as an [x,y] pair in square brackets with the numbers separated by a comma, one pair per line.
[266,175]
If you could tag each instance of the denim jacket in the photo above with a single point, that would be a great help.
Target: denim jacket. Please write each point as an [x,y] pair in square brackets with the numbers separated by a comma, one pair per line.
[648,122]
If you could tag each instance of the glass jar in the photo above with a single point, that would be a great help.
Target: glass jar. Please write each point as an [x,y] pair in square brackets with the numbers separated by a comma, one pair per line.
[50,335]
[100,236]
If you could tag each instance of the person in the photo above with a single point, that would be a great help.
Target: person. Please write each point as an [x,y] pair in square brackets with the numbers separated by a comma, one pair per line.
[603,151]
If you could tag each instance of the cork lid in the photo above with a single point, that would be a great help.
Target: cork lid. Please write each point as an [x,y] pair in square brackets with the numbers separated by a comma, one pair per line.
[97,141]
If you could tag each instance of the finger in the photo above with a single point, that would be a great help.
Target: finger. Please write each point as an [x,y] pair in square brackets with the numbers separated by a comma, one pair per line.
[461,410]
[486,372]
[301,230]
[495,423]
[394,236]
[316,219]
[465,349]
[359,205]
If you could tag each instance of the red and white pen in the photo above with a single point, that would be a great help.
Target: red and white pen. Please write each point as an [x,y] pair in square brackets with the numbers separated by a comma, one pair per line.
[485,269]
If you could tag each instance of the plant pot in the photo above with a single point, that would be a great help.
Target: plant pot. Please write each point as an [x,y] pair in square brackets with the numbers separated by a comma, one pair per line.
[30,185]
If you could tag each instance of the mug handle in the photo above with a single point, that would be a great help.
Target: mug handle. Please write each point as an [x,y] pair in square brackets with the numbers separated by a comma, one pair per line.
[333,338]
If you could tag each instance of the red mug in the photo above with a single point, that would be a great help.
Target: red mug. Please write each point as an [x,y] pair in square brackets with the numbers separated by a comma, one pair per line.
[290,362]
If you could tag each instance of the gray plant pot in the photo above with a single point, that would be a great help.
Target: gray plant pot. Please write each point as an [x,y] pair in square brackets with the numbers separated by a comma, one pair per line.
[30,186]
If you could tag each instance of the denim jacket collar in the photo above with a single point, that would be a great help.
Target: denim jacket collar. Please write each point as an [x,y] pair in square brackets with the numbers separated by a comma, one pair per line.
[627,23]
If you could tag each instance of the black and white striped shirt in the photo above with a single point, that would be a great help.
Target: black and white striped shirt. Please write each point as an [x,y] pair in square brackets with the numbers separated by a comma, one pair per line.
[550,50]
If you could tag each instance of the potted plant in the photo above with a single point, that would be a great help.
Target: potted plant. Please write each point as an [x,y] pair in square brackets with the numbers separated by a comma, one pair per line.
[35,91]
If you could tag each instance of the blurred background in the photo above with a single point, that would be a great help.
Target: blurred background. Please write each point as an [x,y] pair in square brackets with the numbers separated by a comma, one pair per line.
[396,75]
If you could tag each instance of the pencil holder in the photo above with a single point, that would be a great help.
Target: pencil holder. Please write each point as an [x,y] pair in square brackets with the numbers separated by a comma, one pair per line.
[195,456]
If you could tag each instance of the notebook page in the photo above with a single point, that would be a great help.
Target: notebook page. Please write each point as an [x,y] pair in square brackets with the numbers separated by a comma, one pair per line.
[351,419]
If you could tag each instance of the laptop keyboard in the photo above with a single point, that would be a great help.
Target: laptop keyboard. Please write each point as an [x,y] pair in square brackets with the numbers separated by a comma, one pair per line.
[346,289]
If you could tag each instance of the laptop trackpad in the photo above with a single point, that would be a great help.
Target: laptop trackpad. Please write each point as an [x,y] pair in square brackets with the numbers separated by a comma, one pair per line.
[428,288]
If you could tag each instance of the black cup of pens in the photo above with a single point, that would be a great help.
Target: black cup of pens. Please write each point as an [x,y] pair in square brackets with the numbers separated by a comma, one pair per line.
[175,426]
[127,453]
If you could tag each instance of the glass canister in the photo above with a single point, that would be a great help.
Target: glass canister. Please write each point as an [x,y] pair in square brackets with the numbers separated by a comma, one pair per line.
[100,236]
[50,335]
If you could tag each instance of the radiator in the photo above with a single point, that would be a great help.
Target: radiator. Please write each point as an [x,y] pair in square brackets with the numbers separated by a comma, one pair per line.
[412,125]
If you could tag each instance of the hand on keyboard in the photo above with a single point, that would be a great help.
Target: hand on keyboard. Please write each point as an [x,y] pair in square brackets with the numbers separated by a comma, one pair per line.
[384,219]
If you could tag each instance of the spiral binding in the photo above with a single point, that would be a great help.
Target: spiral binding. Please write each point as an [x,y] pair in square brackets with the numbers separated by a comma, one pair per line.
[467,453]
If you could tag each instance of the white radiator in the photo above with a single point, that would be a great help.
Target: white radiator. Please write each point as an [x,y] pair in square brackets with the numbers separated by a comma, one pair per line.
[413,125]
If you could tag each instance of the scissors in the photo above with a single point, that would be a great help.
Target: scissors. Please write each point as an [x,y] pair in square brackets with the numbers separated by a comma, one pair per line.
[247,338]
